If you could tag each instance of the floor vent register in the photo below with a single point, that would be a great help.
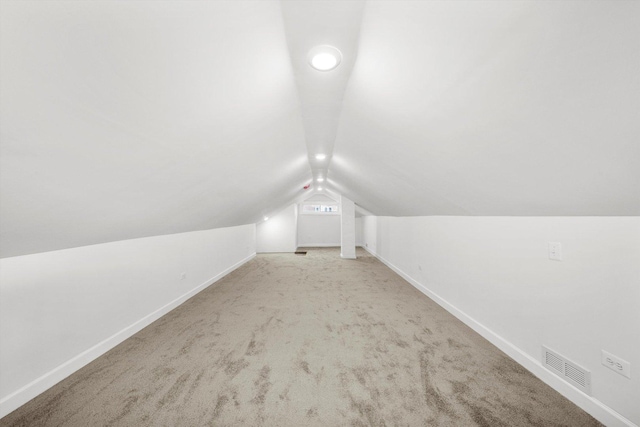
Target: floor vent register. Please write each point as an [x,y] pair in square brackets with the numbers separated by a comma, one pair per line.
[567,370]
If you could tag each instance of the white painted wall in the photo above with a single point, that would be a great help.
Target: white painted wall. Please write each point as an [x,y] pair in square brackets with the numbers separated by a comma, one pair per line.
[473,136]
[347,228]
[359,231]
[60,310]
[494,273]
[318,230]
[188,145]
[279,233]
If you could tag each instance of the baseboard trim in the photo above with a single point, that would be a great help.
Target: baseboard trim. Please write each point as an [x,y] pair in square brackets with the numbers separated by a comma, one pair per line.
[21,396]
[597,409]
[320,245]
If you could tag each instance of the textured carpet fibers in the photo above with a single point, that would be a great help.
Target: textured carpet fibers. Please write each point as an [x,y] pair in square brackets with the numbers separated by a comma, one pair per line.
[309,340]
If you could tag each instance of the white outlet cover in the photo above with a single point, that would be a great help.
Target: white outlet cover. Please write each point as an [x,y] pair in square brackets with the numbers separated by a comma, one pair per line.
[555,251]
[616,364]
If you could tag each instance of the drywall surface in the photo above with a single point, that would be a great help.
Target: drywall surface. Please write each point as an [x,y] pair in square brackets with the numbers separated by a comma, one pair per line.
[318,230]
[279,233]
[347,228]
[359,231]
[131,119]
[59,310]
[520,108]
[496,271]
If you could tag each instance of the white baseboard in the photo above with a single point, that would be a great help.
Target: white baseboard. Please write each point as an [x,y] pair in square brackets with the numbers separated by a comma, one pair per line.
[593,406]
[18,398]
[320,245]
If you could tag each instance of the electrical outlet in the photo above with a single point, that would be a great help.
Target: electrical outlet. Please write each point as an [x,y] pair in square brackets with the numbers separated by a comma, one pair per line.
[555,251]
[183,275]
[616,364]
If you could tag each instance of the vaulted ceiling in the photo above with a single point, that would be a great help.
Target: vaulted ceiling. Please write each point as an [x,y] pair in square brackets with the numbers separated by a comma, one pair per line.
[127,119]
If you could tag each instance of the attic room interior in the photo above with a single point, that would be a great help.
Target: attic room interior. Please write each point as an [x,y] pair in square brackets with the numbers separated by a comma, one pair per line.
[319,213]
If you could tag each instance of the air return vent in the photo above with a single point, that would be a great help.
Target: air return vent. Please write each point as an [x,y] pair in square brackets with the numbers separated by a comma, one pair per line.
[569,371]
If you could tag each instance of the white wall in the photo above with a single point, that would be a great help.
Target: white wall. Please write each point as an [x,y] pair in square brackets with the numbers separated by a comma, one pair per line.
[279,233]
[494,273]
[318,230]
[60,310]
[347,228]
[359,231]
[176,151]
[561,141]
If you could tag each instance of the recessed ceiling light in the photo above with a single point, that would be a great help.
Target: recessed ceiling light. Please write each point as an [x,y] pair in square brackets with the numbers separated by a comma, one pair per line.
[324,62]
[321,156]
[320,179]
[319,188]
[324,58]
[266,218]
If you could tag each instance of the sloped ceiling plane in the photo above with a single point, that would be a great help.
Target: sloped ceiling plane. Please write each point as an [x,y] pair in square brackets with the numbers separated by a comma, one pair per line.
[130,119]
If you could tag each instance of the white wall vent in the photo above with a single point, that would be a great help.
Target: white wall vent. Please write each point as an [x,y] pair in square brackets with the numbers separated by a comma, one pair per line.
[569,371]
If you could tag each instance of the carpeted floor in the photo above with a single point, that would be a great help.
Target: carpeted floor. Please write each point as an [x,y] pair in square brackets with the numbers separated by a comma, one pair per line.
[313,340]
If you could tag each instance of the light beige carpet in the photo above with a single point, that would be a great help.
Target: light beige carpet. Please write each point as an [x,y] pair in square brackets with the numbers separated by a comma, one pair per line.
[314,340]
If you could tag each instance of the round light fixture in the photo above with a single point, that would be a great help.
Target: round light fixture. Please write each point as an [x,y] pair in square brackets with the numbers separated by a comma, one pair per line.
[266,218]
[324,62]
[319,188]
[321,156]
[324,58]
[320,179]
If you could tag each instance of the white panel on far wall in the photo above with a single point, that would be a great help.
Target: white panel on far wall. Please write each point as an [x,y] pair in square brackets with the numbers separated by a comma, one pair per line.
[347,228]
[279,232]
[359,231]
[318,230]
